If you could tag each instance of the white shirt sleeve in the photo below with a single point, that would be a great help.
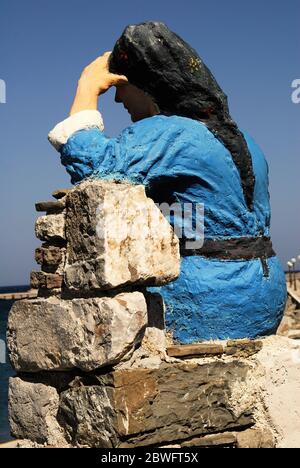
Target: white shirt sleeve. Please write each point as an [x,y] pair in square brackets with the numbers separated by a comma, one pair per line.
[79,121]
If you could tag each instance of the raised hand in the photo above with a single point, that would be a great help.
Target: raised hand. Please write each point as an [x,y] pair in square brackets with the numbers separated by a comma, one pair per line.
[95,80]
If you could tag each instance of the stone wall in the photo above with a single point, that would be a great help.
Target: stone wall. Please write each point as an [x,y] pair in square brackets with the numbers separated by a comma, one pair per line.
[95,367]
[290,325]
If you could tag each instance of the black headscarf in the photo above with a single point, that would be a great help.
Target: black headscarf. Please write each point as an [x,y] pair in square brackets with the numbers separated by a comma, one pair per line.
[160,63]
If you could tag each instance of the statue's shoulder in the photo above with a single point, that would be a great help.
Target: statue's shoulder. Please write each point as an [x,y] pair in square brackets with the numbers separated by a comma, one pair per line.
[254,148]
[170,123]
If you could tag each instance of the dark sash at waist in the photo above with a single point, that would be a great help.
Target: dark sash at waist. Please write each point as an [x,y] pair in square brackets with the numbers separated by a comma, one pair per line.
[240,248]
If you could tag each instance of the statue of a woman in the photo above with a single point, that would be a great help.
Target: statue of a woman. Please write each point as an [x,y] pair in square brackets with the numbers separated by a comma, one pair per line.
[185,148]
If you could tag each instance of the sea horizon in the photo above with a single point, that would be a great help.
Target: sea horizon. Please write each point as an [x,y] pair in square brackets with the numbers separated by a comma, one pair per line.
[14,288]
[5,368]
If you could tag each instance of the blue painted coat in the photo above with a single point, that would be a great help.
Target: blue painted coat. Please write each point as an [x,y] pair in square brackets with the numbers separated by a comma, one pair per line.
[180,159]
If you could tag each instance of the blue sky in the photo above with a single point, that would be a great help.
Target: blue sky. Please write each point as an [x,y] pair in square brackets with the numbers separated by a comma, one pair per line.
[251,47]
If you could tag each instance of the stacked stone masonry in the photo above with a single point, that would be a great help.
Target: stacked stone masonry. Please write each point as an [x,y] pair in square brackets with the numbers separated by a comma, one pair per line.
[95,367]
[290,325]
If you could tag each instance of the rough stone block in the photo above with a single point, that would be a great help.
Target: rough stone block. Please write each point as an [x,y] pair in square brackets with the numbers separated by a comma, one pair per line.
[41,280]
[33,409]
[60,193]
[237,348]
[243,348]
[39,255]
[51,227]
[194,350]
[255,438]
[51,258]
[250,438]
[140,407]
[278,379]
[51,207]
[226,439]
[117,236]
[154,340]
[53,334]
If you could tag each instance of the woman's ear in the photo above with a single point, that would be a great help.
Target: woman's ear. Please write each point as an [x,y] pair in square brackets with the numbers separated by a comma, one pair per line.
[155,109]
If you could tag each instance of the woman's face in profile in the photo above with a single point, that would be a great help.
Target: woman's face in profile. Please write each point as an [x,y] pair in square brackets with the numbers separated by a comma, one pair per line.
[138,104]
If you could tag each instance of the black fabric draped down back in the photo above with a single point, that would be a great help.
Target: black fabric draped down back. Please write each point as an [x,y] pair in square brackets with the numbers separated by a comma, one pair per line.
[164,66]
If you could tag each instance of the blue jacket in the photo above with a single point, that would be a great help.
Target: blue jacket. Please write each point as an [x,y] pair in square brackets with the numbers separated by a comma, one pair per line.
[180,160]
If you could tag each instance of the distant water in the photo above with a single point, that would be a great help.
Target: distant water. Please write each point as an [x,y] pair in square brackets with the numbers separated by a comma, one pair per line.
[5,369]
